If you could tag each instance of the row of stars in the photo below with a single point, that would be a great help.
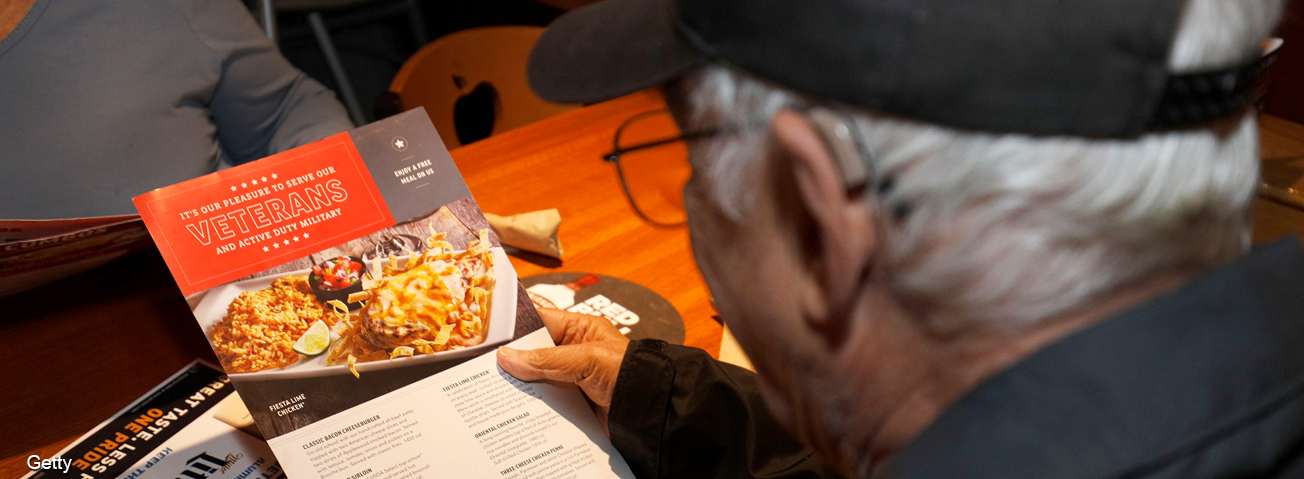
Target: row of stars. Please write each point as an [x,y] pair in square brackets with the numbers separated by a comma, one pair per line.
[286,242]
[254,182]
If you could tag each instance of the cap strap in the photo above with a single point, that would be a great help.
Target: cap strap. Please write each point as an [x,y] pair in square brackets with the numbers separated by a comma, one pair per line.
[1195,98]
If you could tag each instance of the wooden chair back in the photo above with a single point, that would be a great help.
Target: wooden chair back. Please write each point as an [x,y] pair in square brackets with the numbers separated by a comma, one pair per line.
[484,69]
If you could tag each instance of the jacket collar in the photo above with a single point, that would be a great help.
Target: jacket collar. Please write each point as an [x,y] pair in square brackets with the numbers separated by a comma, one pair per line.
[1209,377]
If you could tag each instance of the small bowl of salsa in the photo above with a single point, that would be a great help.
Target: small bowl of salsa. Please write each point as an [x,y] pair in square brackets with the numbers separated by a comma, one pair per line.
[337,278]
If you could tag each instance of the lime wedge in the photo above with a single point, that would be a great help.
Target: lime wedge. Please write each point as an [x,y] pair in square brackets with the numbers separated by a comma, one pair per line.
[315,340]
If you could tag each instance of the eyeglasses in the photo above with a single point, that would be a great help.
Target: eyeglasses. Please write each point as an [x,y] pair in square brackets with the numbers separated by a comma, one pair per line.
[651,159]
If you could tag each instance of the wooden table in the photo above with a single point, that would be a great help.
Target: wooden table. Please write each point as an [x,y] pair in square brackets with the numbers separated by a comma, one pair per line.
[75,352]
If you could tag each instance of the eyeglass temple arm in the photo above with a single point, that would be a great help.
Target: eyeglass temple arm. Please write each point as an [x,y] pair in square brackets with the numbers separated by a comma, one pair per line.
[615,153]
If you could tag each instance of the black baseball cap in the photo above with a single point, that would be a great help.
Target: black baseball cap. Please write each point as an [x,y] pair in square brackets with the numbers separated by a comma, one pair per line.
[1068,67]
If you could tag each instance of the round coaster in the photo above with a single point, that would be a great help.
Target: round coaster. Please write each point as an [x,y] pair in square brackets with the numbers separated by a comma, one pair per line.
[638,312]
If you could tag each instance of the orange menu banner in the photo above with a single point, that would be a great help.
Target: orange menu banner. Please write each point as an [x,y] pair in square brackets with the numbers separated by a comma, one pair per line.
[220,227]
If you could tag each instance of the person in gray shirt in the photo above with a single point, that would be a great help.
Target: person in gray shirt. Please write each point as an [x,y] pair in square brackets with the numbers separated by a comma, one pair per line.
[101,101]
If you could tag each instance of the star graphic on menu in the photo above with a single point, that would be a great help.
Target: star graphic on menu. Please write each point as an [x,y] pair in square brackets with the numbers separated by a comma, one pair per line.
[287,242]
[254,182]
[276,245]
[305,236]
[296,239]
[265,248]
[399,143]
[273,176]
[244,185]
[265,178]
[232,187]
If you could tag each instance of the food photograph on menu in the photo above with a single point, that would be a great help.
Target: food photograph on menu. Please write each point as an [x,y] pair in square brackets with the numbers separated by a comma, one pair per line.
[398,302]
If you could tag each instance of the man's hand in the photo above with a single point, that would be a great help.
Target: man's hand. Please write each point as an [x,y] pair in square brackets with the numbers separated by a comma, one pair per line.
[588,353]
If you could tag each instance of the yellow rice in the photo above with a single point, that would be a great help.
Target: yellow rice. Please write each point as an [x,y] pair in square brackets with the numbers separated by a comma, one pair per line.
[260,327]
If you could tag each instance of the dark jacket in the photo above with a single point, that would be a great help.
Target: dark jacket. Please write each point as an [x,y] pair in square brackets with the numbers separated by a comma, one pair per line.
[1205,382]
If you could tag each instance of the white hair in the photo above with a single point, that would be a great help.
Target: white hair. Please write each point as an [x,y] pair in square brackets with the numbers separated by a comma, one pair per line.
[1004,230]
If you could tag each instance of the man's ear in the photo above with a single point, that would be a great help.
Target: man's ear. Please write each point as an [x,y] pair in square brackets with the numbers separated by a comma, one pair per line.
[842,235]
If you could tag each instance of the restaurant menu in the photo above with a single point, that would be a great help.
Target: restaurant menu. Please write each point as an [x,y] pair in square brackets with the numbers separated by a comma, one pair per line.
[177,430]
[355,294]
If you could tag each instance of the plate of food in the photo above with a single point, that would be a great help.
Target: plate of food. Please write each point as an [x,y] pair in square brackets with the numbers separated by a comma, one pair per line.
[349,316]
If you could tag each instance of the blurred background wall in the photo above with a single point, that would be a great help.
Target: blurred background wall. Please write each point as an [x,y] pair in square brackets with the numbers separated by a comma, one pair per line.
[1286,77]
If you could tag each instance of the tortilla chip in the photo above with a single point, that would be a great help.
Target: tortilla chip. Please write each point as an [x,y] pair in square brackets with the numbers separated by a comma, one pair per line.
[339,307]
[442,338]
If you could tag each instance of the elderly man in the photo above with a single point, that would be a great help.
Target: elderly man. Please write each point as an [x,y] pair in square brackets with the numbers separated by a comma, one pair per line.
[991,238]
